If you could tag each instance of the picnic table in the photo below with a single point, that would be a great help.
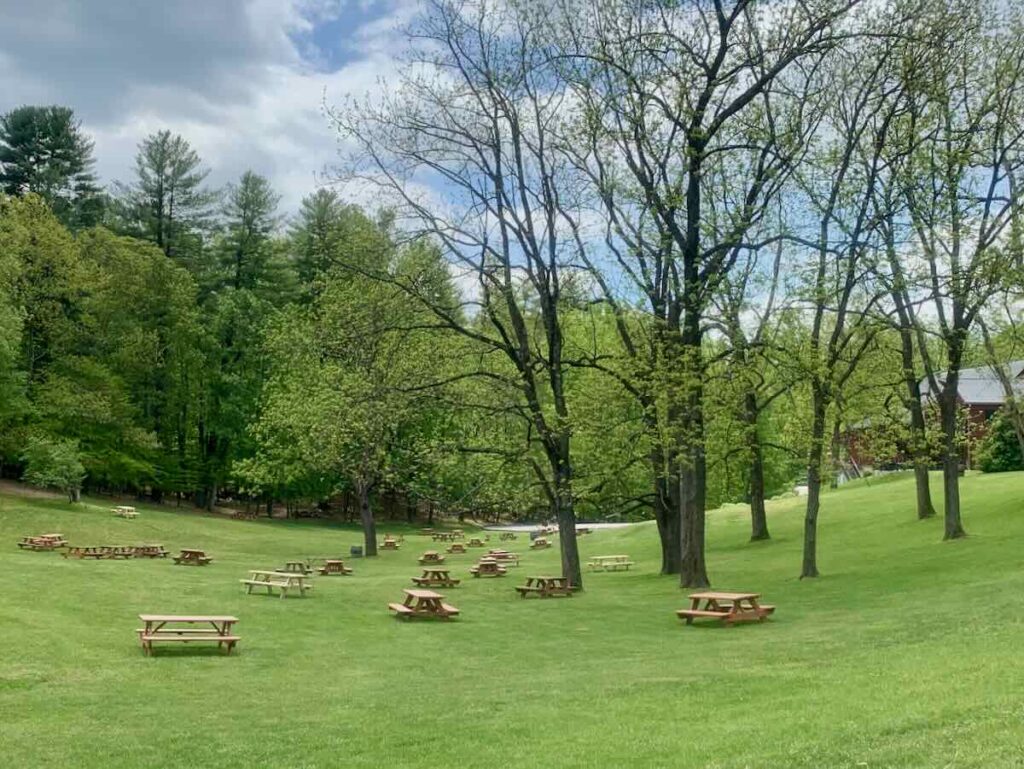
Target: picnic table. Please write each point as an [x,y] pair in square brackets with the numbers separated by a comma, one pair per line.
[124,511]
[334,566]
[149,551]
[539,544]
[426,531]
[84,552]
[296,567]
[156,629]
[728,607]
[389,543]
[431,556]
[42,542]
[609,563]
[504,557]
[423,603]
[487,567]
[242,515]
[444,536]
[476,542]
[456,548]
[117,551]
[507,535]
[276,580]
[436,576]
[192,557]
[546,587]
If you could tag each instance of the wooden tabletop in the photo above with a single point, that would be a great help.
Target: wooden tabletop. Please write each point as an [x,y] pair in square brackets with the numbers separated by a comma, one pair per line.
[192,550]
[275,573]
[423,594]
[716,596]
[185,618]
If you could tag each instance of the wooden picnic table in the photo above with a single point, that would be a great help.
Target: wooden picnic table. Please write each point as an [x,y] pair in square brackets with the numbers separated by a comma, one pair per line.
[539,544]
[334,566]
[476,542]
[456,548]
[192,557]
[296,567]
[436,576]
[431,556]
[609,563]
[84,552]
[389,544]
[728,607]
[443,536]
[156,629]
[124,511]
[487,567]
[42,542]
[507,535]
[149,551]
[546,587]
[276,580]
[117,551]
[423,604]
[504,557]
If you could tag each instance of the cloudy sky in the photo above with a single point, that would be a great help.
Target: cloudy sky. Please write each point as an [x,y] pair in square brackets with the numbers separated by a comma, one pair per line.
[242,80]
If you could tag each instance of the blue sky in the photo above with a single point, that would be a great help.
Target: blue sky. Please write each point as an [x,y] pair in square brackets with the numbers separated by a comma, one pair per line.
[242,80]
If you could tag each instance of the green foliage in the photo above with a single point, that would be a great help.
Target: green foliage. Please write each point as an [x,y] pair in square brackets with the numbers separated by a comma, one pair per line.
[55,464]
[999,450]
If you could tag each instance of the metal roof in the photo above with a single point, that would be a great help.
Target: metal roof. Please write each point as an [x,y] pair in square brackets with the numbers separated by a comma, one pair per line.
[981,385]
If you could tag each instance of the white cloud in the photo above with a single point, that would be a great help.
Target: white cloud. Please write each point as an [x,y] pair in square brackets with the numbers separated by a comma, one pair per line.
[242,80]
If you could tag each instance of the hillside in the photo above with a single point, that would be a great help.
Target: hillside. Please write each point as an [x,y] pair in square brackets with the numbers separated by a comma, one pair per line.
[906,653]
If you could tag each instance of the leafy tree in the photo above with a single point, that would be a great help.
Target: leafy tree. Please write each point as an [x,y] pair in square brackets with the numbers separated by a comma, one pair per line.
[43,150]
[250,214]
[54,464]
[999,451]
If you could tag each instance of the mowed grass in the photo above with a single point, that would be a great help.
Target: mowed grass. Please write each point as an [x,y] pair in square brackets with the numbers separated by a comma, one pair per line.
[908,652]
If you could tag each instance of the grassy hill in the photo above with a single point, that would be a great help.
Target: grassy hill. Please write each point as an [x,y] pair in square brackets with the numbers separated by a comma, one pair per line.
[906,653]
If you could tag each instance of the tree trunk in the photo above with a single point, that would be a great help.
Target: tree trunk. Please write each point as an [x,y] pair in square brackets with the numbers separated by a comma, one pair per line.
[666,511]
[692,494]
[693,470]
[366,514]
[565,513]
[918,429]
[814,459]
[758,516]
[75,495]
[951,457]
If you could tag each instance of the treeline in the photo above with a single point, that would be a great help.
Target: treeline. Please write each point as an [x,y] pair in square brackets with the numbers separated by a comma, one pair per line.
[631,263]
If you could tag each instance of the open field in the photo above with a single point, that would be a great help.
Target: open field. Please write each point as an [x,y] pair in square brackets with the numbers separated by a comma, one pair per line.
[907,653]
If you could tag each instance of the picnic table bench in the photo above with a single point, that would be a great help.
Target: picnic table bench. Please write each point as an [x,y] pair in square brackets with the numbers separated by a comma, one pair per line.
[487,567]
[456,548]
[476,542]
[157,630]
[507,535]
[276,580]
[192,557]
[436,576]
[728,607]
[41,542]
[609,563]
[546,587]
[241,515]
[334,566]
[389,544]
[539,544]
[123,511]
[431,556]
[423,604]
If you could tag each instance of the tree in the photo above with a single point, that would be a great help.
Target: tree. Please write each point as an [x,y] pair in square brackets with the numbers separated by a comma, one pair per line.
[690,95]
[250,214]
[960,151]
[54,464]
[167,203]
[478,110]
[44,151]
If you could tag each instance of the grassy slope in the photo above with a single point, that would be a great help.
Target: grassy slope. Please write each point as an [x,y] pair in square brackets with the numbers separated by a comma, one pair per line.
[907,653]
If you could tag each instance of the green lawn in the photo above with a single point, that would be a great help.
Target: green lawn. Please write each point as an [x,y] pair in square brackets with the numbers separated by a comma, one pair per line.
[908,652]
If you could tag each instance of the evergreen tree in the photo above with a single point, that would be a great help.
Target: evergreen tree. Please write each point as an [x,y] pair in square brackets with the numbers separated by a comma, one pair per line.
[167,203]
[247,251]
[43,150]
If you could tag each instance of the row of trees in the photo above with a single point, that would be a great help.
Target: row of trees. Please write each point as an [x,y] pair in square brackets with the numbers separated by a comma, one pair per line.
[637,259]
